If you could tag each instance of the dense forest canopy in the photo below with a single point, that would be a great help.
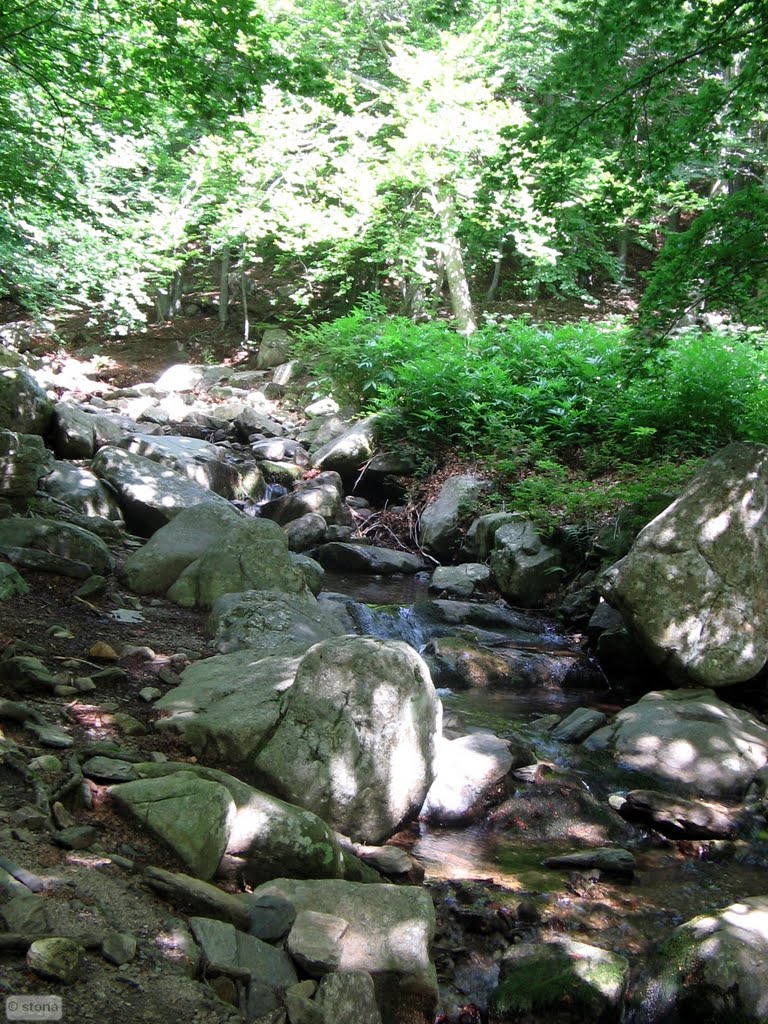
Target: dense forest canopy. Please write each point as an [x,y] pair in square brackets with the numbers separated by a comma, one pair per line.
[421,150]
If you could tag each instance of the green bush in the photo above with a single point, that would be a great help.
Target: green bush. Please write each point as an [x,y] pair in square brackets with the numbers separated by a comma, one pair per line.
[561,416]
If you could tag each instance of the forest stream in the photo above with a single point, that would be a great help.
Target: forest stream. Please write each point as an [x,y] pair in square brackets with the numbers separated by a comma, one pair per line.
[480,873]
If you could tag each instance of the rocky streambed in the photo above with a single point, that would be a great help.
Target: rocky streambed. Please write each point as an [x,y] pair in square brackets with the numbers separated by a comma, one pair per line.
[234,786]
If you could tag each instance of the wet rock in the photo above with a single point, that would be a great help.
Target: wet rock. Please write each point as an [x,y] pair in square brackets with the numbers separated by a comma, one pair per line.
[581,722]
[675,817]
[55,959]
[608,859]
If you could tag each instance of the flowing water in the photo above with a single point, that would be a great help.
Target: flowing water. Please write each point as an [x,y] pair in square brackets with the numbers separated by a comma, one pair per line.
[673,881]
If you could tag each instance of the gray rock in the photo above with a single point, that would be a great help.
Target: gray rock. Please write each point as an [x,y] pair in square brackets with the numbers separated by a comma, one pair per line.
[149,493]
[467,769]
[78,432]
[481,535]
[694,586]
[581,722]
[464,580]
[189,813]
[11,583]
[24,913]
[347,996]
[56,538]
[252,556]
[224,706]
[357,735]
[689,738]
[119,948]
[158,564]
[675,817]
[388,936]
[306,532]
[526,569]
[365,558]
[584,983]
[24,460]
[311,570]
[274,348]
[199,461]
[713,968]
[315,941]
[262,836]
[347,453]
[443,519]
[76,837]
[24,406]
[610,859]
[322,495]
[109,769]
[269,623]
[55,959]
[270,969]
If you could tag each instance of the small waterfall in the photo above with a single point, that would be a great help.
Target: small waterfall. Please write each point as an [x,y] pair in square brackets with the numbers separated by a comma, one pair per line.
[389,622]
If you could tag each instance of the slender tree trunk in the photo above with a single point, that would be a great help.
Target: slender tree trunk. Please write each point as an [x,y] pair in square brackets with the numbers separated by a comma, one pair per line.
[455,273]
[244,297]
[490,295]
[224,287]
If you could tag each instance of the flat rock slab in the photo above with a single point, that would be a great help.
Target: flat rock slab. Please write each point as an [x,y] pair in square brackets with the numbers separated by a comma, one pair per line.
[365,558]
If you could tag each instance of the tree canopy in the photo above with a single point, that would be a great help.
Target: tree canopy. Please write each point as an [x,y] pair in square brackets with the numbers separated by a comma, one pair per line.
[439,153]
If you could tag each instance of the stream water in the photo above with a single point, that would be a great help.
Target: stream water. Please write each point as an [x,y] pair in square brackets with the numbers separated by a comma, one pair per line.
[673,882]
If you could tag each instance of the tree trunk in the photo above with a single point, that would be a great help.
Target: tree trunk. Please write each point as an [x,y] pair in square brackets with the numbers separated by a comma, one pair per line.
[244,297]
[490,295]
[224,287]
[455,274]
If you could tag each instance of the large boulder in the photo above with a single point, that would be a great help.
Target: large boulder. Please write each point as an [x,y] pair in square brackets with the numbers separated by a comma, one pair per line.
[357,736]
[149,493]
[159,563]
[252,555]
[274,348]
[442,521]
[694,586]
[24,460]
[687,738]
[82,490]
[63,541]
[24,406]
[384,930]
[79,431]
[270,623]
[200,461]
[526,568]
[221,826]
[713,968]
[224,706]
